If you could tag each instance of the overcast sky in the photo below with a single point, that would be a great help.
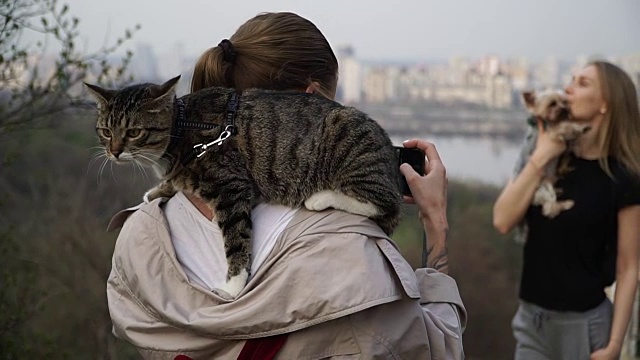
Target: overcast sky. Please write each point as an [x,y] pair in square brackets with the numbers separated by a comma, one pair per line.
[397,30]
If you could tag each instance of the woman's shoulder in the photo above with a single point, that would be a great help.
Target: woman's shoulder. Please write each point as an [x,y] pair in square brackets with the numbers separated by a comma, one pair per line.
[622,174]
[627,185]
[333,221]
[151,210]
[336,237]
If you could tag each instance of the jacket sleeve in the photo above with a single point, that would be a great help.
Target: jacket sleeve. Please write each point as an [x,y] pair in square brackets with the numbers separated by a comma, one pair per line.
[444,313]
[427,328]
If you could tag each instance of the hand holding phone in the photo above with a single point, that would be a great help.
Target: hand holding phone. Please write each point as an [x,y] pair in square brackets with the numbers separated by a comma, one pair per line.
[414,157]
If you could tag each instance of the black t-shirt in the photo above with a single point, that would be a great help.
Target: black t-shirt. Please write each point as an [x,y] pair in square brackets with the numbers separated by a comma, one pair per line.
[569,260]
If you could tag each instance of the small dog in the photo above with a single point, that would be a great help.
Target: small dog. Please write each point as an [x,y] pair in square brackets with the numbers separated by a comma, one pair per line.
[552,109]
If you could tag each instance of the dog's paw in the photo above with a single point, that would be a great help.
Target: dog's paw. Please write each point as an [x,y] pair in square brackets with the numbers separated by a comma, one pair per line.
[553,209]
[566,204]
[545,194]
[569,131]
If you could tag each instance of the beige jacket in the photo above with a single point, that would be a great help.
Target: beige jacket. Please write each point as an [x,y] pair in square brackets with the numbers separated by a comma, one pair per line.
[333,281]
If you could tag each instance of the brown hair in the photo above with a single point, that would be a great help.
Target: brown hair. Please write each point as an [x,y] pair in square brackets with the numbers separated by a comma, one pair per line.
[620,136]
[277,51]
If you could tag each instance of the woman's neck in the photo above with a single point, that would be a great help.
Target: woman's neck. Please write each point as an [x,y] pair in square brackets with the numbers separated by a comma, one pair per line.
[588,153]
[587,146]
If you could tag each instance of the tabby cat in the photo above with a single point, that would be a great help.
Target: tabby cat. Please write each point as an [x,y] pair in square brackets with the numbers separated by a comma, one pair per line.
[233,151]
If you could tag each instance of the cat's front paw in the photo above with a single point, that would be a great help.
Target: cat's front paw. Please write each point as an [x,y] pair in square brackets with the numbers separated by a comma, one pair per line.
[158,192]
[235,284]
[149,196]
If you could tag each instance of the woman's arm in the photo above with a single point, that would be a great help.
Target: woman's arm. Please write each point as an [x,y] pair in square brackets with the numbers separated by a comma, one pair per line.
[513,202]
[626,280]
[515,198]
[430,195]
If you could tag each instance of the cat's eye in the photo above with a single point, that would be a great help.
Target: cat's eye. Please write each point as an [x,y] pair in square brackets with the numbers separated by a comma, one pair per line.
[134,133]
[105,133]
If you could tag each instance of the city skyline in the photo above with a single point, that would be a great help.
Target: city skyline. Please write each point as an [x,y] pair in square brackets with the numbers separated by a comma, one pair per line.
[404,30]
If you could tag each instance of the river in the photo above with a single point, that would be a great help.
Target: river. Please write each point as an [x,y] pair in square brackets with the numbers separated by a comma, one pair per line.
[481,159]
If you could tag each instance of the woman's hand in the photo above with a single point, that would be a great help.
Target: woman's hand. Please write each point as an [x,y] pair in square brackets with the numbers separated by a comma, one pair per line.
[547,147]
[430,195]
[611,352]
[429,191]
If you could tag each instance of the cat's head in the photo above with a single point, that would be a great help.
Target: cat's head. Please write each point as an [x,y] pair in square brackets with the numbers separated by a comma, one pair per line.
[134,123]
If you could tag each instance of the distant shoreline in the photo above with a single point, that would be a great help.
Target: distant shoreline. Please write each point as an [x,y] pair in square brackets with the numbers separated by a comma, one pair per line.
[449,121]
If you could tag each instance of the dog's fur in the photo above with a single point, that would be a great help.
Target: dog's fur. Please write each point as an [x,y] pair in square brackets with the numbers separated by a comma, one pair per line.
[552,109]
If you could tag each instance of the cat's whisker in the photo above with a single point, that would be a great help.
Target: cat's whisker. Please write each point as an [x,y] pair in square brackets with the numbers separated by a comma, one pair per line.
[113,176]
[99,175]
[139,164]
[132,159]
[143,171]
[145,155]
[94,158]
[134,164]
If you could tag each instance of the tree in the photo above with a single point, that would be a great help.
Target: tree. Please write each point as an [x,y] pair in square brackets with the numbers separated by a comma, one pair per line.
[43,245]
[33,89]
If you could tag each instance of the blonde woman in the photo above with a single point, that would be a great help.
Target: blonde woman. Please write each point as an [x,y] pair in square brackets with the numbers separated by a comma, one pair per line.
[569,260]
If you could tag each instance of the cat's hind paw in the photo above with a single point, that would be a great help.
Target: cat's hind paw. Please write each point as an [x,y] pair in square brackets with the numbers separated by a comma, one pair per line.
[321,200]
[325,199]
[234,285]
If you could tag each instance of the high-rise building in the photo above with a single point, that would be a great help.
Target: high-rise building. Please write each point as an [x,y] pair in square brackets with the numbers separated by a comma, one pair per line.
[631,64]
[173,63]
[374,83]
[350,76]
[546,75]
[144,64]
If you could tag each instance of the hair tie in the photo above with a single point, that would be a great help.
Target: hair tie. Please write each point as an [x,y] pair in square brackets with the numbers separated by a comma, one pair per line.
[229,54]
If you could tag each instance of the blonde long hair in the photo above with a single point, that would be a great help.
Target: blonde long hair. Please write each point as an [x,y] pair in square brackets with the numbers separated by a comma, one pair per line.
[620,137]
[277,51]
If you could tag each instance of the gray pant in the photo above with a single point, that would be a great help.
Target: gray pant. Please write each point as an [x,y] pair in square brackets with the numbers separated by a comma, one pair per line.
[554,335]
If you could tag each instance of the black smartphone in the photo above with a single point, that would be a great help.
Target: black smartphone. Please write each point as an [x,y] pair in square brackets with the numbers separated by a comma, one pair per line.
[415,158]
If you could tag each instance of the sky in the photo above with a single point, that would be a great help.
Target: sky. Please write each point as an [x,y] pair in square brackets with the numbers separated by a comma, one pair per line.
[392,30]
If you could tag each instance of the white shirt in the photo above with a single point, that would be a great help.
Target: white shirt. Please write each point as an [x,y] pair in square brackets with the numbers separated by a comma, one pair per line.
[199,244]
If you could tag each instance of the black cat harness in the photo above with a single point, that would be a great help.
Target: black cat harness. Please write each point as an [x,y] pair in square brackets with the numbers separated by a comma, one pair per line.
[180,125]
[229,128]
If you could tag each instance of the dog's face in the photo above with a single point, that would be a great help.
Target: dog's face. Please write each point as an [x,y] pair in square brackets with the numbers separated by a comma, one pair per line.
[549,106]
[552,108]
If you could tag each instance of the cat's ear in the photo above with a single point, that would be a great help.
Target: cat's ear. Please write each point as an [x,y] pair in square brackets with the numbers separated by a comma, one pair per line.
[101,96]
[168,88]
[161,96]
